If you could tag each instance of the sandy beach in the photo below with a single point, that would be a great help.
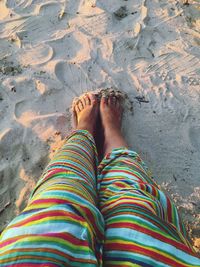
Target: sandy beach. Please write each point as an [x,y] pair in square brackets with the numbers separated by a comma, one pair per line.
[52,51]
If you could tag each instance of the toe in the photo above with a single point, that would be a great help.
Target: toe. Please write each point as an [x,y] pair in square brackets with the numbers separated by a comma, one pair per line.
[82,99]
[87,99]
[80,105]
[119,105]
[113,100]
[110,101]
[93,98]
[104,100]
[74,103]
[76,108]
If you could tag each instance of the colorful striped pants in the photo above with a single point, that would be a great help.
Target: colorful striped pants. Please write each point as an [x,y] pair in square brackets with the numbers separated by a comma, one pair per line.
[120,218]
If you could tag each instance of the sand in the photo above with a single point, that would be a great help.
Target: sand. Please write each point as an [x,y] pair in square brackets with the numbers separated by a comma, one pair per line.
[53,51]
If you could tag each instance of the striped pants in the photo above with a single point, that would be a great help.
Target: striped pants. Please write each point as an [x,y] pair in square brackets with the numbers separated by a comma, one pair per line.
[120,218]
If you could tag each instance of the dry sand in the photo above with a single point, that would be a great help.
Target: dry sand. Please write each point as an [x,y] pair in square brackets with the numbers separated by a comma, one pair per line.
[52,51]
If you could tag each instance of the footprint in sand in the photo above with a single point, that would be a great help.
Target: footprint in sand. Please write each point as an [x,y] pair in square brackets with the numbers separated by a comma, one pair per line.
[35,55]
[70,43]
[21,107]
[73,76]
[41,25]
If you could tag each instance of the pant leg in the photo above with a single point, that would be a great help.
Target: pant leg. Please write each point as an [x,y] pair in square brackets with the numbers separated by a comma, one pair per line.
[142,225]
[61,226]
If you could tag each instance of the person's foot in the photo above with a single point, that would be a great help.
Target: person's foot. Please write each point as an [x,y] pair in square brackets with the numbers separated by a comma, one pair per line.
[85,111]
[111,116]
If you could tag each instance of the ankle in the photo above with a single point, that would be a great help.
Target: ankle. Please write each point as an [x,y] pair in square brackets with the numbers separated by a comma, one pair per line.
[82,126]
[113,139]
[112,131]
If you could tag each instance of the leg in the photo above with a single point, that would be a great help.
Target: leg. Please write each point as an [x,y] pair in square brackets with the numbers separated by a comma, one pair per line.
[61,225]
[143,227]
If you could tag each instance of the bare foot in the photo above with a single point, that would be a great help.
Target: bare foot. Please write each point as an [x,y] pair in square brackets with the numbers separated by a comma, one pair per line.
[111,116]
[85,111]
